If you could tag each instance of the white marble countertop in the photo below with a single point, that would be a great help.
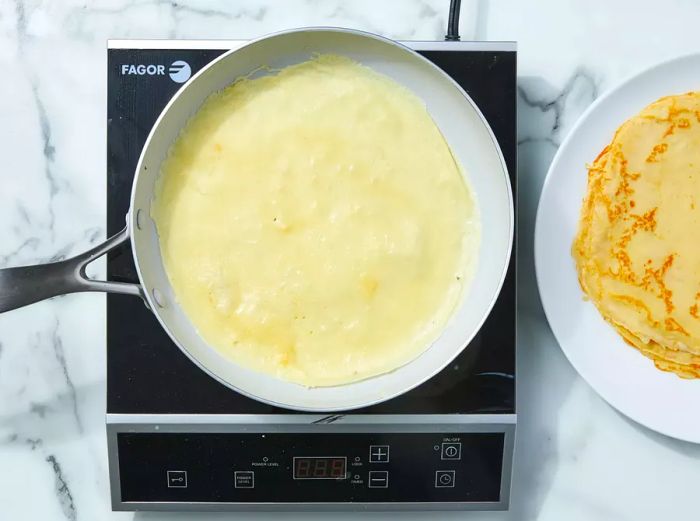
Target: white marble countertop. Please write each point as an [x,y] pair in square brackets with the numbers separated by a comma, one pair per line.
[576,458]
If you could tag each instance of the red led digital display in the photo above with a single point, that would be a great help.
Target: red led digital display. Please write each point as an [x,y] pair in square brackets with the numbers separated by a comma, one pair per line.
[319,468]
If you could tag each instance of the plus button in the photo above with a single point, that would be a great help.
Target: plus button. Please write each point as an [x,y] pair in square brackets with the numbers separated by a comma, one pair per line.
[379,453]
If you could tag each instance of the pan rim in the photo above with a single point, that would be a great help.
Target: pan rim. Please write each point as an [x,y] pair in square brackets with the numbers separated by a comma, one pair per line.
[506,260]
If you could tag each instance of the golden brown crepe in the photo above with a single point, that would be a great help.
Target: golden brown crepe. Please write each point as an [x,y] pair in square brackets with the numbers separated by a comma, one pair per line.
[637,250]
[314,224]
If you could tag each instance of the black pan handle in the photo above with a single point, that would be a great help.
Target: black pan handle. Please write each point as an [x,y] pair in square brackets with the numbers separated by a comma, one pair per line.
[24,285]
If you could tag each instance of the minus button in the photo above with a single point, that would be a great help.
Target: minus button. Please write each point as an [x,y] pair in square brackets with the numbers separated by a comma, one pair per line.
[378,479]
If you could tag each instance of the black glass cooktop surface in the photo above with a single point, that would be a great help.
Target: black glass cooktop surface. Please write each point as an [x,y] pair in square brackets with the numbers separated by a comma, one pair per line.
[148,374]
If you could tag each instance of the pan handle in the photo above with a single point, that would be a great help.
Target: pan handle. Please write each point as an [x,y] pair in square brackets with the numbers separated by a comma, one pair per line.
[25,285]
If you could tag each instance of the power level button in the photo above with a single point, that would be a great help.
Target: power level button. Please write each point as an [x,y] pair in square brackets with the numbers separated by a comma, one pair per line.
[244,479]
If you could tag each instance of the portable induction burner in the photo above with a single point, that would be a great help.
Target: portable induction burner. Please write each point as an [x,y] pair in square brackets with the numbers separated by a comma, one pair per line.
[180,440]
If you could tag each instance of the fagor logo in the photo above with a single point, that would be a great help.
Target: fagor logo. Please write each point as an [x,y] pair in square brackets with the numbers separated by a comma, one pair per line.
[179,71]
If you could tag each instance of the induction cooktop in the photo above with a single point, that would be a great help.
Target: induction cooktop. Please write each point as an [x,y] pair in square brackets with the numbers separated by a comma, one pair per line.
[180,440]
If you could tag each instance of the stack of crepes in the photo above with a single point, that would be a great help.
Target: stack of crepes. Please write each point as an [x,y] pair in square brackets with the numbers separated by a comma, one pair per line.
[637,250]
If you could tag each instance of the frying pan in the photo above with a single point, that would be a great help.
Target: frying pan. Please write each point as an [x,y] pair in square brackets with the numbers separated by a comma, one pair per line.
[462,125]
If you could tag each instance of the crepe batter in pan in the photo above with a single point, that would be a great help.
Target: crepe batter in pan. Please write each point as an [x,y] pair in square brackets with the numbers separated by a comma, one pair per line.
[314,224]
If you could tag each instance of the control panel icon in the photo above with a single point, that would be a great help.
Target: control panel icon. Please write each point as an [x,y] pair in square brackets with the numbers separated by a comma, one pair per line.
[177,478]
[378,479]
[379,453]
[451,451]
[444,479]
[244,479]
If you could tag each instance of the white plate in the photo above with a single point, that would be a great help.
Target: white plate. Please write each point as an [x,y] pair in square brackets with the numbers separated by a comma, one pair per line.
[625,378]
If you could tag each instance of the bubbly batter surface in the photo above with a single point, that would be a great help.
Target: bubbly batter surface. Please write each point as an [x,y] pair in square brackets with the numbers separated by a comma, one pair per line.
[314,224]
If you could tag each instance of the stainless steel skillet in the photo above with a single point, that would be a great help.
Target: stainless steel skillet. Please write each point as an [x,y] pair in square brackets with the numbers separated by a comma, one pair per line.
[460,122]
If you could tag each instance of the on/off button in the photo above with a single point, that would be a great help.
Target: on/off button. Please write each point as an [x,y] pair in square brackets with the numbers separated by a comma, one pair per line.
[451,451]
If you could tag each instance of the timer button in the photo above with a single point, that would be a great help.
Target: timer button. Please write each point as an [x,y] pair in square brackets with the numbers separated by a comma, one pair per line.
[378,479]
[379,453]
[244,479]
[444,479]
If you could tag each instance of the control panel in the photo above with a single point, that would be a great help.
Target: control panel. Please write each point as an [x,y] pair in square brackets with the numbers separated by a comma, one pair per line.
[310,467]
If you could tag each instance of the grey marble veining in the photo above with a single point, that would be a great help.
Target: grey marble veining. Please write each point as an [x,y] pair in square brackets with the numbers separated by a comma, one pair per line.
[576,458]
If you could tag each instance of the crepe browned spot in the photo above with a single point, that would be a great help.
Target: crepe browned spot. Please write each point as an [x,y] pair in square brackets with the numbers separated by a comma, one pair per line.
[637,249]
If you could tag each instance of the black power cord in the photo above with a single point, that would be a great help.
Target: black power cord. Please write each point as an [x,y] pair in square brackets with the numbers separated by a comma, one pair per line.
[453,21]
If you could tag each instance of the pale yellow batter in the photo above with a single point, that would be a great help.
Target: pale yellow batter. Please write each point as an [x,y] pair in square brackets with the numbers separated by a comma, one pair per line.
[314,224]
